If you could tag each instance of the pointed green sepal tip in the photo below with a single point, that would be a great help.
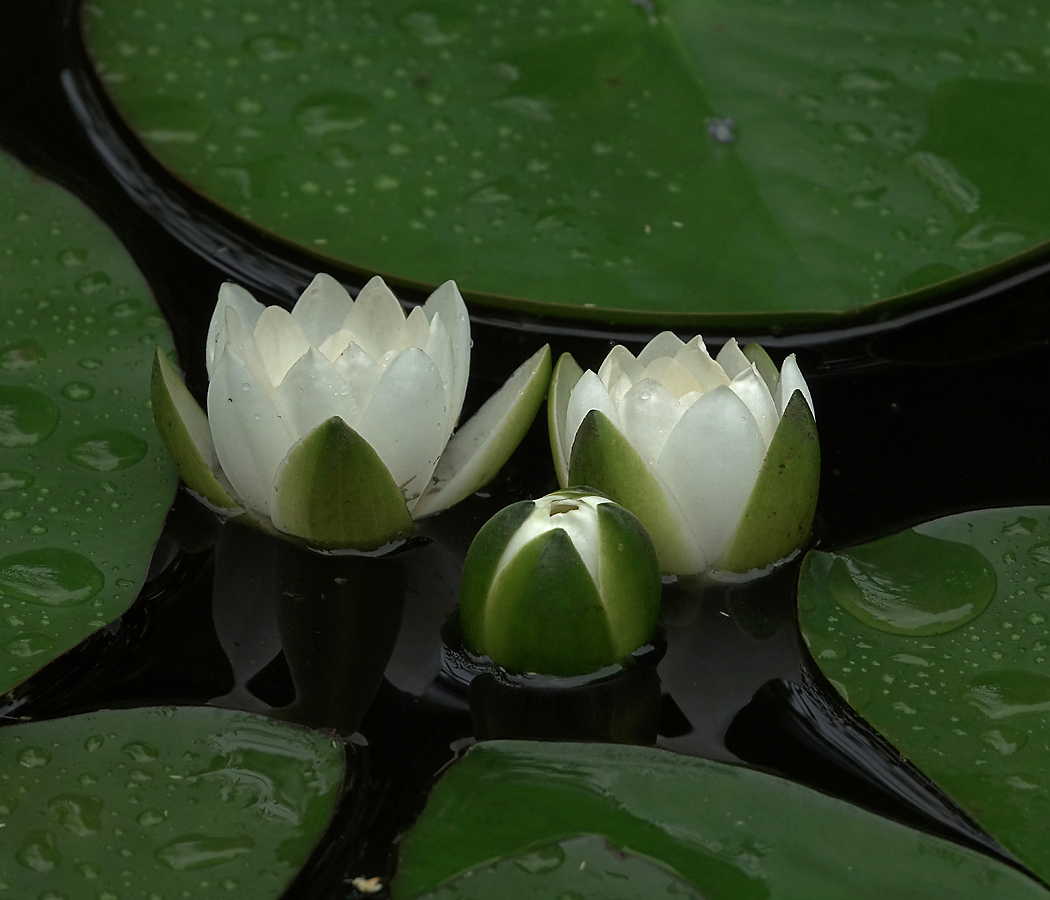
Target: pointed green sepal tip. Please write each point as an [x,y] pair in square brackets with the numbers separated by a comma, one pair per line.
[603,458]
[779,514]
[567,374]
[184,429]
[333,491]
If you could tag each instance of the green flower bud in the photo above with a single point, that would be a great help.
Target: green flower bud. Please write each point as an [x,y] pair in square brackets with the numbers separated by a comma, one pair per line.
[563,585]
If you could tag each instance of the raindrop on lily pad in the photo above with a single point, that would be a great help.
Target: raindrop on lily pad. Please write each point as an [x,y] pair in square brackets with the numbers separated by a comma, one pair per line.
[50,576]
[105,451]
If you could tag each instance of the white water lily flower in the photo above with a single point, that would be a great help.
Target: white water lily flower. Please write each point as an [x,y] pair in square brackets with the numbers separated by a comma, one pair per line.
[717,457]
[334,422]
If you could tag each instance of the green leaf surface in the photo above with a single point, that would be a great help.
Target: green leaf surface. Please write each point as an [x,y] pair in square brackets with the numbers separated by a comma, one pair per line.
[779,514]
[583,868]
[938,637]
[731,833]
[85,482]
[333,490]
[172,802]
[604,158]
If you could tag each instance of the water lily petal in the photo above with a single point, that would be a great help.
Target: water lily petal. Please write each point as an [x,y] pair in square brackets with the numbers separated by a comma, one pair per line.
[705,370]
[567,374]
[791,380]
[589,393]
[731,358]
[710,464]
[447,302]
[766,367]
[313,391]
[333,345]
[648,414]
[248,309]
[322,308]
[620,361]
[416,330]
[485,442]
[666,343]
[250,437]
[280,341]
[674,377]
[376,319]
[405,421]
[750,388]
[361,374]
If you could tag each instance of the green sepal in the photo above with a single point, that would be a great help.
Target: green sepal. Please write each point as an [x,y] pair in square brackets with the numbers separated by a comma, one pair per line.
[333,491]
[479,569]
[756,354]
[184,429]
[779,514]
[567,374]
[630,573]
[545,612]
[604,459]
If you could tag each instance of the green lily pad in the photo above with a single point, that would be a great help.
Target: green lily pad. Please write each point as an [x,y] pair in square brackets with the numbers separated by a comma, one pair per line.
[604,158]
[583,868]
[162,802]
[727,831]
[938,637]
[85,483]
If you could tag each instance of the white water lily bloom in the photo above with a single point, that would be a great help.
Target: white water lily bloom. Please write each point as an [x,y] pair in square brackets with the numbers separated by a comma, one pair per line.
[718,457]
[334,422]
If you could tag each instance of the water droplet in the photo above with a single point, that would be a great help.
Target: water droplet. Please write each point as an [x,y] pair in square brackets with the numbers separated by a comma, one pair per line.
[39,852]
[912,584]
[151,817]
[341,155]
[89,363]
[272,47]
[94,743]
[332,112]
[386,183]
[1023,525]
[52,895]
[1035,618]
[8,804]
[856,695]
[824,646]
[1010,692]
[546,860]
[867,81]
[93,283]
[429,28]
[50,576]
[78,391]
[33,757]
[21,355]
[1040,552]
[248,106]
[201,852]
[72,256]
[106,451]
[122,309]
[164,120]
[78,814]
[1005,740]
[141,752]
[854,132]
[26,416]
[948,183]
[14,480]
[30,644]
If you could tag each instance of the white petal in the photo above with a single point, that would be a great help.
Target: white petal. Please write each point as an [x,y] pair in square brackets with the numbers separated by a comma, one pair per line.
[731,358]
[248,309]
[588,394]
[706,371]
[361,374]
[580,524]
[447,302]
[333,345]
[674,377]
[620,361]
[416,330]
[710,464]
[649,414]
[750,388]
[250,437]
[322,308]
[376,319]
[621,384]
[312,392]
[280,341]
[405,421]
[665,343]
[791,380]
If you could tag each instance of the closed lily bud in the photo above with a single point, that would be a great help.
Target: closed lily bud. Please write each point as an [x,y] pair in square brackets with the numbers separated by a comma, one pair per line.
[564,585]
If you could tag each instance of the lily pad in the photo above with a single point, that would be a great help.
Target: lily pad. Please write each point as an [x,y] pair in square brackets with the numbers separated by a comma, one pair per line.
[162,802]
[938,637]
[85,483]
[604,158]
[726,831]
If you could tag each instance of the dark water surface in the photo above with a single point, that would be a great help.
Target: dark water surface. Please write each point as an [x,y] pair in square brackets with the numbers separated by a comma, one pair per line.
[928,414]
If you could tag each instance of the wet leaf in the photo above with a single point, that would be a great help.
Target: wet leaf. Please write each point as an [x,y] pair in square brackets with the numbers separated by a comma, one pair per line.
[937,636]
[84,479]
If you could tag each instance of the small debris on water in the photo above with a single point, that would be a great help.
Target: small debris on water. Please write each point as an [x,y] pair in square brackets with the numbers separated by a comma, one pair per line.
[371,885]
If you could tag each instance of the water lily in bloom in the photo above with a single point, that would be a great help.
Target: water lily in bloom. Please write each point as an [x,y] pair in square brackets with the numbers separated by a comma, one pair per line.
[334,422]
[718,457]
[563,585]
